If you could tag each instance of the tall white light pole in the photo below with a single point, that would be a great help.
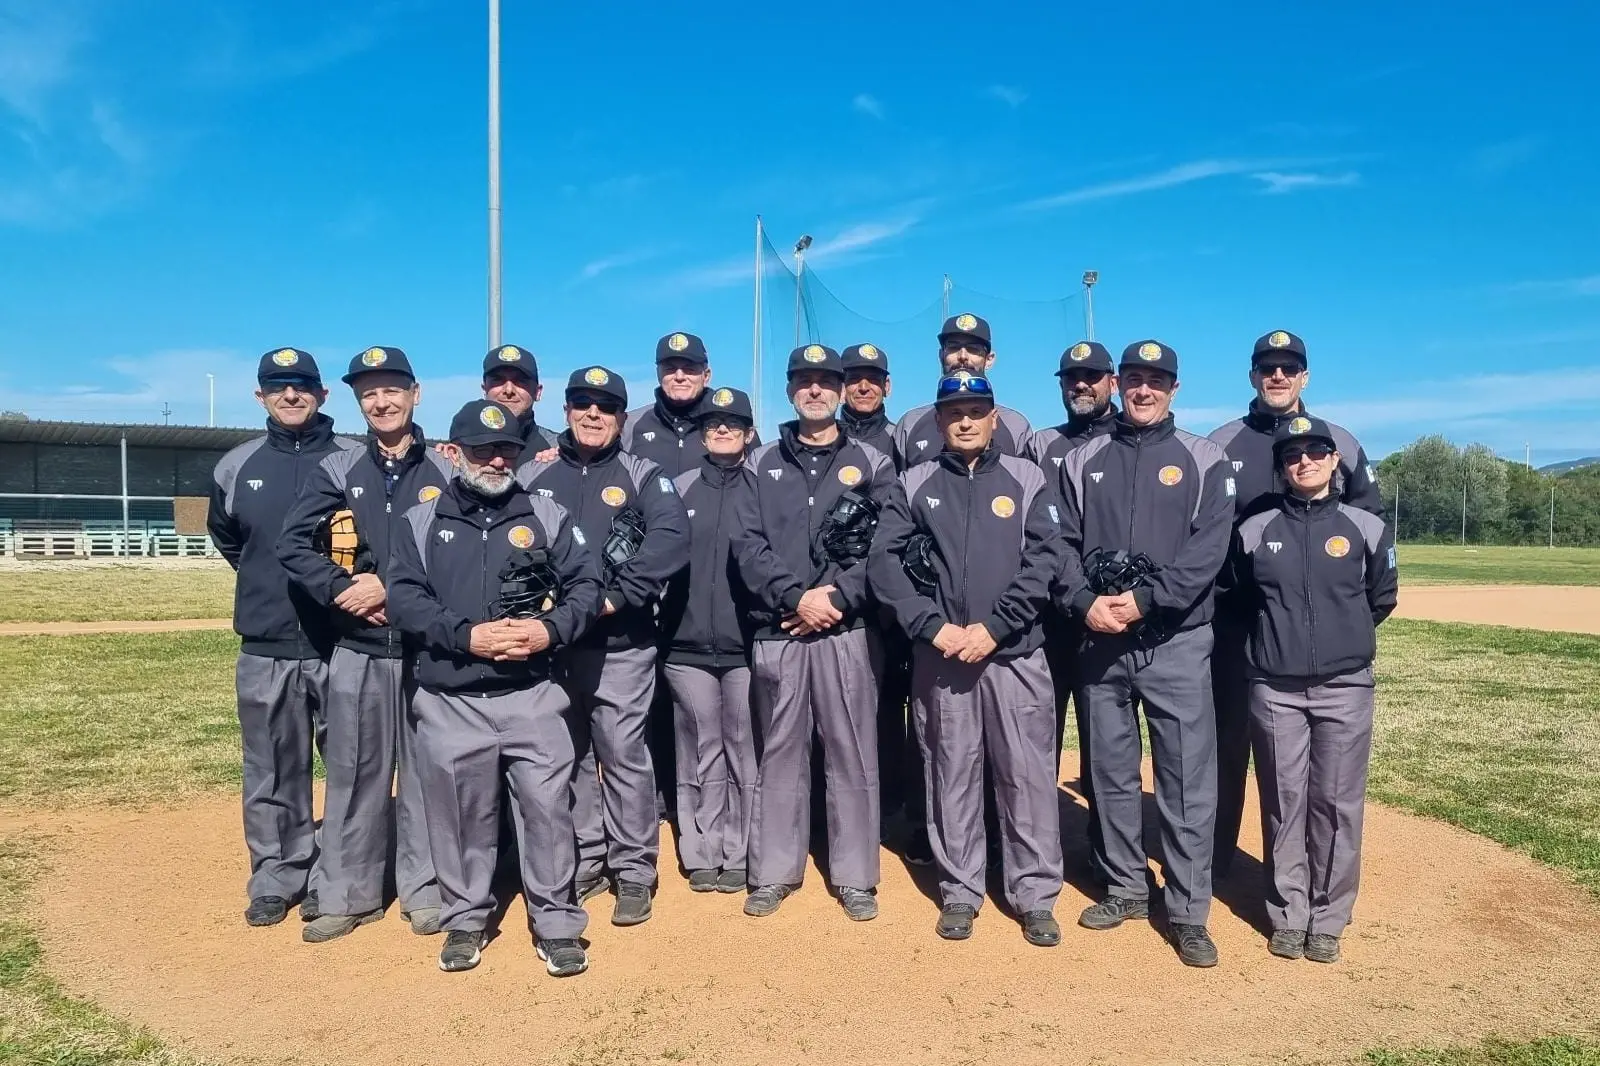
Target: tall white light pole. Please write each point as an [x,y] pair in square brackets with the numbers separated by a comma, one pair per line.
[494,173]
[800,247]
[211,389]
[1090,278]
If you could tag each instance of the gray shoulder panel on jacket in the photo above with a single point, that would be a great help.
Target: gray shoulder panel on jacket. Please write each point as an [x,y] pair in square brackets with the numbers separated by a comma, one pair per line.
[227,470]
[421,519]
[1028,475]
[1206,454]
[1041,440]
[1225,433]
[338,466]
[759,456]
[1017,423]
[1253,529]
[916,477]
[875,456]
[1371,526]
[440,463]
[1072,466]
[533,470]
[640,470]
[550,515]
[350,442]
[686,479]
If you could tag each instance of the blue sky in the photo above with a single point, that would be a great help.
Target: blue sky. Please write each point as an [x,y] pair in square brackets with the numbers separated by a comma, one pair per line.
[186,184]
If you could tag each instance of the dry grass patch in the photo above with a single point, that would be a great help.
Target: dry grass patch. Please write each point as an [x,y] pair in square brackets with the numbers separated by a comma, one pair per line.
[115,593]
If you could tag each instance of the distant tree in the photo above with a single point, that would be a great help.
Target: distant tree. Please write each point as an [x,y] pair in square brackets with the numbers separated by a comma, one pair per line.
[13,416]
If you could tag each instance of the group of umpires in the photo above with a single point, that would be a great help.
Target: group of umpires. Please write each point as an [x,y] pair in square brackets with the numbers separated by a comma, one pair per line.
[539,642]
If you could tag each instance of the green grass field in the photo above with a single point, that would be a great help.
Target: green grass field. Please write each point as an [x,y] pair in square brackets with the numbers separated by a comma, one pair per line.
[115,594]
[1449,564]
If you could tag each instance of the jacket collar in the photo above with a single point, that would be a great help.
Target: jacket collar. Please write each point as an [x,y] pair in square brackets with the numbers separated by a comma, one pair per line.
[570,456]
[460,500]
[956,463]
[675,415]
[857,425]
[1093,425]
[789,441]
[413,455]
[1126,431]
[1262,420]
[1299,507]
[318,431]
[717,474]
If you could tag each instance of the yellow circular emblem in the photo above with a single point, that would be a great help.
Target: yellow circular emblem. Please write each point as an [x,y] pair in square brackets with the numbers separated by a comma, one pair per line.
[1338,547]
[508,354]
[850,476]
[1170,475]
[374,357]
[1279,339]
[287,357]
[722,397]
[814,354]
[492,417]
[1299,425]
[965,322]
[867,351]
[1080,352]
[678,342]
[520,536]
[595,376]
[613,496]
[1150,350]
[428,492]
[1003,506]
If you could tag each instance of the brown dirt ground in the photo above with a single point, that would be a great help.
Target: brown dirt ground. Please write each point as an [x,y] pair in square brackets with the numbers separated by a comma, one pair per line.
[73,629]
[1571,609]
[1455,938]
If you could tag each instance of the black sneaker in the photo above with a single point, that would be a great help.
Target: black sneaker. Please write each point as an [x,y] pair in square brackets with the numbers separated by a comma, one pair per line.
[633,904]
[1113,911]
[1322,947]
[333,926]
[955,921]
[766,900]
[1288,943]
[310,909]
[563,958]
[462,950]
[919,851]
[266,910]
[702,880]
[731,881]
[591,887]
[859,904]
[1041,929]
[1194,945]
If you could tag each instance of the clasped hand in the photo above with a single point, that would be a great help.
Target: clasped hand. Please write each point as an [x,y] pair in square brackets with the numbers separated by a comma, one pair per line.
[813,614]
[510,639]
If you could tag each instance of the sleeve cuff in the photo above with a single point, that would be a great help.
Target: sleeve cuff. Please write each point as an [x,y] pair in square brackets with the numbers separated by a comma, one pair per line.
[931,630]
[791,600]
[340,583]
[837,599]
[1144,599]
[464,637]
[998,628]
[1083,601]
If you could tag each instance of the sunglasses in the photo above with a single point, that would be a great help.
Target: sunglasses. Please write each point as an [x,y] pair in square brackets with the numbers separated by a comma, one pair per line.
[712,422]
[1315,452]
[583,403]
[975,347]
[484,452]
[278,385]
[974,386]
[1289,370]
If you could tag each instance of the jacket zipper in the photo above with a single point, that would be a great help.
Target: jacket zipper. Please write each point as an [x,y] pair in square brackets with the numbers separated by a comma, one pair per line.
[1133,506]
[1311,609]
[711,596]
[966,541]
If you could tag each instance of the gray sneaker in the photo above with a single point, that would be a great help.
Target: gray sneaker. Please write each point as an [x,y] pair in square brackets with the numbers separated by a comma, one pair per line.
[1322,947]
[955,921]
[266,910]
[424,920]
[1288,943]
[731,881]
[462,950]
[589,888]
[702,880]
[1113,911]
[766,900]
[633,904]
[1194,945]
[333,926]
[859,904]
[563,958]
[310,910]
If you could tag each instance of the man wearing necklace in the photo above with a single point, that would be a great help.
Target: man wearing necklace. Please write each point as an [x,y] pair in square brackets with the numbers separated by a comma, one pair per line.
[368,730]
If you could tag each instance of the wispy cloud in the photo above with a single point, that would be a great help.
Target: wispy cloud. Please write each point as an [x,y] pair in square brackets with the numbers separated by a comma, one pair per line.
[1560,287]
[594,268]
[1495,159]
[241,53]
[1182,174]
[853,244]
[1010,95]
[1275,182]
[1452,404]
[868,104]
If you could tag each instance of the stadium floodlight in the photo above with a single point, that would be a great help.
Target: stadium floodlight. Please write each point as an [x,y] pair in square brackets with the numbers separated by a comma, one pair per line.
[802,244]
[1090,278]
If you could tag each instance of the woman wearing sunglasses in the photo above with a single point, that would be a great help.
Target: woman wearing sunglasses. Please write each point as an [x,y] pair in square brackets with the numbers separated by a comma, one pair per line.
[1317,576]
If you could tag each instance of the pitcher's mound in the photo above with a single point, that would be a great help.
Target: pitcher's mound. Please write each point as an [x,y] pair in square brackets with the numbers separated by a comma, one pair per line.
[1454,938]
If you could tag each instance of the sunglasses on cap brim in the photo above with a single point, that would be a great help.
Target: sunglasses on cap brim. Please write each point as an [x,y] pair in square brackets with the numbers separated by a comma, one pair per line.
[978,387]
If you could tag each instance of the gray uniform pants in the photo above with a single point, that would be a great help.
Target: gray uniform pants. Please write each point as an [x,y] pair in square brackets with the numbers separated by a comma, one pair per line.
[828,684]
[1002,708]
[368,733]
[614,806]
[466,747]
[1312,742]
[716,749]
[281,705]
[1230,690]
[1173,682]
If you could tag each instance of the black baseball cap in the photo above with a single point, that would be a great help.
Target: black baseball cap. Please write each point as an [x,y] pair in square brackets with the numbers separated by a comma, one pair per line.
[288,364]
[1086,355]
[484,422]
[815,357]
[1279,342]
[865,357]
[512,356]
[729,402]
[1152,354]
[598,380]
[965,325]
[681,346]
[391,359]
[1302,428]
[962,386]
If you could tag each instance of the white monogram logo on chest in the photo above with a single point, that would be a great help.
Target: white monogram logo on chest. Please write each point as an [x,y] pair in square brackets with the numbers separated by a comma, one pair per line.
[447,535]
[933,501]
[1275,545]
[1096,475]
[255,484]
[356,492]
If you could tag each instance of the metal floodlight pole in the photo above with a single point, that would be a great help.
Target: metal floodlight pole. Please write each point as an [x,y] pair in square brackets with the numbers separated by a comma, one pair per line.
[1527,455]
[945,298]
[1090,279]
[494,173]
[1552,513]
[211,391]
[1466,473]
[124,450]
[800,247]
[755,340]
[1396,508]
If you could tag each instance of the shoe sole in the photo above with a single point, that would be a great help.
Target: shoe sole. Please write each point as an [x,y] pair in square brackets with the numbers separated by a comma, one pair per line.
[629,919]
[946,933]
[261,923]
[731,889]
[477,956]
[599,888]
[553,971]
[1051,940]
[1130,916]
[1286,953]
[863,916]
[428,928]
[1324,959]
[709,886]
[761,910]
[311,937]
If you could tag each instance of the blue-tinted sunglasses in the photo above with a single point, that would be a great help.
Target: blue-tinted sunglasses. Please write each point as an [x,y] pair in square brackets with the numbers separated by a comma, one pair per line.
[968,383]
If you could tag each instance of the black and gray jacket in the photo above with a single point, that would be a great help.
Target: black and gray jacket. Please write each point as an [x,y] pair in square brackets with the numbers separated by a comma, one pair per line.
[1257,481]
[917,438]
[535,439]
[779,557]
[1315,578]
[705,614]
[254,488]
[1049,447]
[997,548]
[874,429]
[664,434]
[378,490]
[594,492]
[444,578]
[1159,491]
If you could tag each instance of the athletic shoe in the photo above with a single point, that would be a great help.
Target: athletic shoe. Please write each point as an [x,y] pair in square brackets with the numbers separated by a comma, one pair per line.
[462,950]
[955,921]
[702,880]
[859,904]
[266,910]
[563,958]
[731,881]
[633,904]
[766,900]
[1194,945]
[592,887]
[919,851]
[1113,911]
[1288,943]
[1041,929]
[1322,947]
[333,926]
[310,909]
[424,920]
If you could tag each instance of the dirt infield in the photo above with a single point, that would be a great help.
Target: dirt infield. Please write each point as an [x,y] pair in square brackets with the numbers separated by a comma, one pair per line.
[1565,608]
[1455,938]
[74,629]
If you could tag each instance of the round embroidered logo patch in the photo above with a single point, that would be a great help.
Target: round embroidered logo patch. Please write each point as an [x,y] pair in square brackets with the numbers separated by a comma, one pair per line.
[867,351]
[850,476]
[1299,425]
[967,322]
[492,417]
[1279,339]
[1080,352]
[520,536]
[1003,506]
[722,398]
[595,376]
[678,342]
[814,354]
[287,357]
[1150,351]
[508,354]
[1338,547]
[428,492]
[374,357]
[613,496]
[1170,475]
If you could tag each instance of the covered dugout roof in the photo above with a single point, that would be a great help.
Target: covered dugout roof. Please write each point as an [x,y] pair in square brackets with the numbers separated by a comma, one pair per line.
[203,438]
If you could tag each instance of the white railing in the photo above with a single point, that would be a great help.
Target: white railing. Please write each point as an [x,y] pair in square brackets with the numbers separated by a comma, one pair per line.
[102,543]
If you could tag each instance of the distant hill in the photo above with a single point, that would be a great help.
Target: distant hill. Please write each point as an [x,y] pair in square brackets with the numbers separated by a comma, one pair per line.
[1570,464]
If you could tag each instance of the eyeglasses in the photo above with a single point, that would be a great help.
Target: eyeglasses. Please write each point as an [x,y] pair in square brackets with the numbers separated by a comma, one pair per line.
[1086,377]
[501,450]
[1315,452]
[583,403]
[1289,370]
[277,385]
[975,347]
[712,422]
[959,383]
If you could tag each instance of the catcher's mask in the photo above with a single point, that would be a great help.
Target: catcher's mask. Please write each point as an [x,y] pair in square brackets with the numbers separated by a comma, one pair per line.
[529,586]
[623,543]
[846,530]
[917,561]
[337,537]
